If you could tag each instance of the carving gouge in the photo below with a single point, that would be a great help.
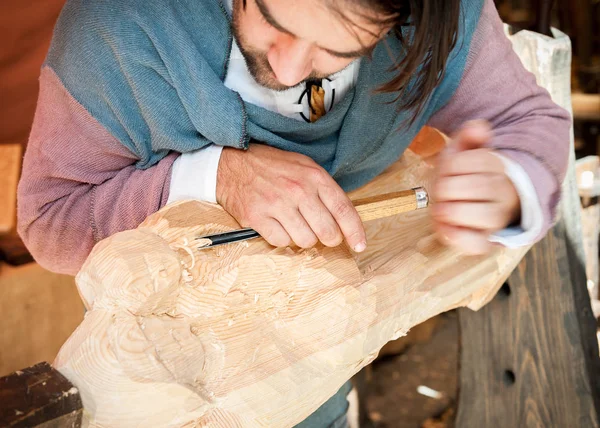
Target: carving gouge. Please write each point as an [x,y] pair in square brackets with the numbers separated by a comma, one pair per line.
[371,208]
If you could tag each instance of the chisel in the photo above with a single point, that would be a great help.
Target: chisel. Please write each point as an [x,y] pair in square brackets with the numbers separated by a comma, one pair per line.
[371,208]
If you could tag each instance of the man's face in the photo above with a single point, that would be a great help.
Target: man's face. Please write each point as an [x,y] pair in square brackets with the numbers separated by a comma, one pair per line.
[286,42]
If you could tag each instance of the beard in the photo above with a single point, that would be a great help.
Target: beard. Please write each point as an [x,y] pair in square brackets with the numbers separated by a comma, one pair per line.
[258,62]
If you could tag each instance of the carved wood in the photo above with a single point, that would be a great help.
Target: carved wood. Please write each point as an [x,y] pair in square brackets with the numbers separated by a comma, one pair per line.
[247,334]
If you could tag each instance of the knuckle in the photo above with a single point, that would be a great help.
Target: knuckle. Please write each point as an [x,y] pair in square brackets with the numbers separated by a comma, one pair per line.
[301,158]
[251,218]
[318,174]
[271,198]
[342,208]
[330,237]
[294,187]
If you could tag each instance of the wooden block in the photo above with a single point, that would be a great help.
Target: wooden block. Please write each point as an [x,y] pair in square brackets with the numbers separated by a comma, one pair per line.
[10,169]
[248,335]
[39,396]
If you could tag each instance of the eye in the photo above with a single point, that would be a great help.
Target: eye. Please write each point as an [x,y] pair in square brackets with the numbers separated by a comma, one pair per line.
[366,52]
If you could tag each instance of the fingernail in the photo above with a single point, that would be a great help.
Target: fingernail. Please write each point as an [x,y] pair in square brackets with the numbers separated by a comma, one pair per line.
[360,247]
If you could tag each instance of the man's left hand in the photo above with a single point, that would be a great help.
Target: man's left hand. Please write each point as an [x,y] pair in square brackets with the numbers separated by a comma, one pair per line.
[472,196]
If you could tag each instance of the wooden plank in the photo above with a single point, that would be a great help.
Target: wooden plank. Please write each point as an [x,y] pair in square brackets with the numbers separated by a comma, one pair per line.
[530,357]
[39,396]
[10,168]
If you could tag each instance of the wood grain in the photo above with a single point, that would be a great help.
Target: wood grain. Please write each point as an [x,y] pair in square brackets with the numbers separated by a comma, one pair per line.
[538,370]
[386,205]
[247,335]
[10,168]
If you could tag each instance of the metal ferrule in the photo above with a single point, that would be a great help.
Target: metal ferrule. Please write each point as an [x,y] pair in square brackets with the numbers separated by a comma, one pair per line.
[422,197]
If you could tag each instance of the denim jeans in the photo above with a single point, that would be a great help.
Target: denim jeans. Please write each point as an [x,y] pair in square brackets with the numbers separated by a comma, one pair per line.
[332,413]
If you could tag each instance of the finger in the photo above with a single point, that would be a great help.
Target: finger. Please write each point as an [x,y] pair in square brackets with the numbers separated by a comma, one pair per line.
[472,135]
[321,222]
[472,187]
[273,232]
[297,228]
[479,161]
[468,241]
[345,215]
[486,216]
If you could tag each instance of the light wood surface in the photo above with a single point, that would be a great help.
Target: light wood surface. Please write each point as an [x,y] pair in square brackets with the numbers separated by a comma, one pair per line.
[247,335]
[10,168]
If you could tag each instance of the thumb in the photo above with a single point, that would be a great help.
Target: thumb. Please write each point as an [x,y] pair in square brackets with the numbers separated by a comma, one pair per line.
[473,135]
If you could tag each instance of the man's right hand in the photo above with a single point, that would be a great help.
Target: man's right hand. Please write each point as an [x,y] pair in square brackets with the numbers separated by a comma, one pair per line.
[286,197]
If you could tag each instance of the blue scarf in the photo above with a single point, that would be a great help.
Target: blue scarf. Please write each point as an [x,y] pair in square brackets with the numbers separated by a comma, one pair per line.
[152,72]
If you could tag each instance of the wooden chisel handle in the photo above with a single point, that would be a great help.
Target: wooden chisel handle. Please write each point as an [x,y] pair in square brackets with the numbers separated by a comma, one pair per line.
[368,208]
[390,204]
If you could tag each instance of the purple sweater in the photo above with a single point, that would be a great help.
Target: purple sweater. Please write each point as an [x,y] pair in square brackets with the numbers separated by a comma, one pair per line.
[79,183]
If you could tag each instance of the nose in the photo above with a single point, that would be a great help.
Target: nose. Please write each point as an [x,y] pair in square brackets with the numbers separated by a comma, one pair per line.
[291,59]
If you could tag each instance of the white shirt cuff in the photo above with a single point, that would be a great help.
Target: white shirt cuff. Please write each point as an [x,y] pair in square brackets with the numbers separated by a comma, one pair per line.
[194,175]
[532,218]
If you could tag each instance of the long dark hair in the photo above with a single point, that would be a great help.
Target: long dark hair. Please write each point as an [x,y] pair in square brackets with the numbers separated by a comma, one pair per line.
[432,29]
